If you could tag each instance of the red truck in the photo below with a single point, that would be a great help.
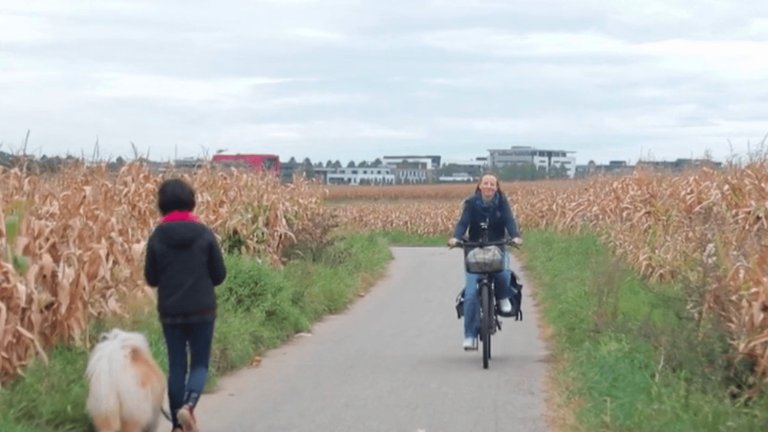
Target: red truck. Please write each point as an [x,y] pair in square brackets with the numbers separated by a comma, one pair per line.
[259,162]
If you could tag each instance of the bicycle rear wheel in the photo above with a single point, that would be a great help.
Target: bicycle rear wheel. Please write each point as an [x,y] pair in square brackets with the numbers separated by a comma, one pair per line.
[486,321]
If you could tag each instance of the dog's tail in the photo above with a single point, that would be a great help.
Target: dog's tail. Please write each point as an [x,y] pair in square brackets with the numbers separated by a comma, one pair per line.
[126,383]
[142,387]
[103,402]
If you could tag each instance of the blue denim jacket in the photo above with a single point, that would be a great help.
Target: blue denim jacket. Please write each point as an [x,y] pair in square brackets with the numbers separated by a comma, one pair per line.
[497,213]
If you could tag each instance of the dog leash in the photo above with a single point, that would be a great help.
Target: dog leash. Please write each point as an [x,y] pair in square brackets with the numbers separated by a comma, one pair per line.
[166,415]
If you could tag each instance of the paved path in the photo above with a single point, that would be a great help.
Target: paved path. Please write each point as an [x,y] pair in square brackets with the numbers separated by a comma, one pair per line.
[392,363]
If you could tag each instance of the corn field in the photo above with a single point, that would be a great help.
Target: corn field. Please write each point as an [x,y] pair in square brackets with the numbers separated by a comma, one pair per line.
[705,230]
[73,242]
[440,191]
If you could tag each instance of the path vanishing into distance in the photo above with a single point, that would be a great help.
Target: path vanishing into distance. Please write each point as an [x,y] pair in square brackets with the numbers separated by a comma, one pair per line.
[393,362]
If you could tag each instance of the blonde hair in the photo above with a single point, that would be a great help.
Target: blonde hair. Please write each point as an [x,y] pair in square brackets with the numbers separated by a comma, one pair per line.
[492,174]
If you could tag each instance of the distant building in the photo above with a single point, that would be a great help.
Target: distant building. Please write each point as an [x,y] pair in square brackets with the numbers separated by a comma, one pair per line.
[409,172]
[581,171]
[622,168]
[362,175]
[458,167]
[287,169]
[322,173]
[187,164]
[680,164]
[460,177]
[614,167]
[541,158]
[463,163]
[433,162]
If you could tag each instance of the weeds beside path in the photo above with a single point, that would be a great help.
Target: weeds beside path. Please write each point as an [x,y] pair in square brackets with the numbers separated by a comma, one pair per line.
[628,355]
[259,308]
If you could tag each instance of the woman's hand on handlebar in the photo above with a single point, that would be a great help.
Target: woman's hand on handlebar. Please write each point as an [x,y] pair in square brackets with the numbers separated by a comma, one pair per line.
[452,242]
[517,241]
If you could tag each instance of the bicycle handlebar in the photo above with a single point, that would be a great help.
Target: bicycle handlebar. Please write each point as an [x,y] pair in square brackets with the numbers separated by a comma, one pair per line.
[504,242]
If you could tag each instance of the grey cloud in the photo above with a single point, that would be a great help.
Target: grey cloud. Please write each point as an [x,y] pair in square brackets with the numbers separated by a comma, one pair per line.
[602,78]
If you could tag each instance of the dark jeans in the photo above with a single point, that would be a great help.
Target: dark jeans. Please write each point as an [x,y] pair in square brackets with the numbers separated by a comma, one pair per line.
[188,344]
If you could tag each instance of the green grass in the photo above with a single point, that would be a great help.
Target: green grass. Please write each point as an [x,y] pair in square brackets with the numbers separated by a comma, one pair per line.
[259,309]
[628,356]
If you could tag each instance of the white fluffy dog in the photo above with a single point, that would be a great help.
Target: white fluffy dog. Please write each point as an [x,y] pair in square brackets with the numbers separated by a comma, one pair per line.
[127,387]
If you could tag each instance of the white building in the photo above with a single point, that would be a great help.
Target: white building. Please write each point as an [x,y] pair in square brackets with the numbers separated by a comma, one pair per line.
[541,158]
[432,162]
[460,177]
[413,172]
[361,175]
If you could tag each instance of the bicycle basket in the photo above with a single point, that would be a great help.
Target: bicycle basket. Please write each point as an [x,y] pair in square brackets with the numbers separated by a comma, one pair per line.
[488,259]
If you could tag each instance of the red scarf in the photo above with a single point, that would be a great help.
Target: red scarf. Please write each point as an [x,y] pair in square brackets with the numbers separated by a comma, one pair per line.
[177,216]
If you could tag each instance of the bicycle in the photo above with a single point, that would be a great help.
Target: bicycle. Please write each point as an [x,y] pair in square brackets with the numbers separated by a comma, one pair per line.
[486,257]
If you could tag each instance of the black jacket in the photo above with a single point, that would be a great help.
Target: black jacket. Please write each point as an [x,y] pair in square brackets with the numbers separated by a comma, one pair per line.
[497,214]
[185,263]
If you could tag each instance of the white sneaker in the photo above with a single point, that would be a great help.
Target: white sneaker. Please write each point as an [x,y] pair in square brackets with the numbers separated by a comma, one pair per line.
[469,344]
[505,305]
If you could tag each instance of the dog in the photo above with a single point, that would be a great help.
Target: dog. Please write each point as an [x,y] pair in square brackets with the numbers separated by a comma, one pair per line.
[127,387]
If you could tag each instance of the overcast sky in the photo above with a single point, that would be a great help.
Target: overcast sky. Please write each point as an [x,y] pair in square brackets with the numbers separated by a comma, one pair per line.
[354,79]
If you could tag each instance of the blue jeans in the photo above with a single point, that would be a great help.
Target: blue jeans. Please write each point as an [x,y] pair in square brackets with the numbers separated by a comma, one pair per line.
[185,340]
[472,303]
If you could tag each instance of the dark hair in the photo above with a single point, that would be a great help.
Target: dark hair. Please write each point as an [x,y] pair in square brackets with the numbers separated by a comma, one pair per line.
[175,195]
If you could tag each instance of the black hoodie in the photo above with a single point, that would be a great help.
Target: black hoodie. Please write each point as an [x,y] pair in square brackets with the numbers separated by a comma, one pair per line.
[185,263]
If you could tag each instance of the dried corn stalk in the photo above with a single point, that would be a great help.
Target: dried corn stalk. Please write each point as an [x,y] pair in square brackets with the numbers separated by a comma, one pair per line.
[77,243]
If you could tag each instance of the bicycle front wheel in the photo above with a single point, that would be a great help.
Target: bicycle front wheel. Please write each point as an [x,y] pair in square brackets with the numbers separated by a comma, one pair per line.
[486,321]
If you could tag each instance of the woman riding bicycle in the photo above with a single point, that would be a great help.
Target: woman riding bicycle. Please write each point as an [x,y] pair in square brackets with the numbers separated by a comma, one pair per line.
[488,205]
